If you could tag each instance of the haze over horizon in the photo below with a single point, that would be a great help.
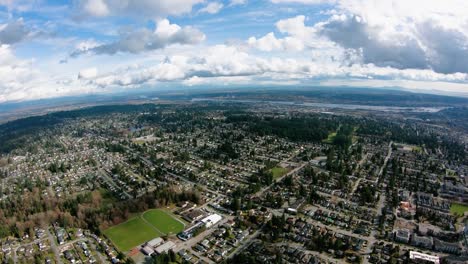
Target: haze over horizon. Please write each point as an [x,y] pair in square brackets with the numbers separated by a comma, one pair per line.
[56,48]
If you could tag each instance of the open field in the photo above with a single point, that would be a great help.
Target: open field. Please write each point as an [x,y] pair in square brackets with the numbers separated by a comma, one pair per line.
[142,228]
[458,209]
[278,172]
[330,138]
[131,233]
[163,221]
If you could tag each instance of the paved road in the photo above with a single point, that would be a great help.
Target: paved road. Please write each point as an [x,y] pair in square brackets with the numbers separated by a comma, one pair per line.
[370,239]
[389,154]
[54,247]
[187,245]
[356,184]
[380,204]
[111,182]
[246,243]
[322,256]
[263,190]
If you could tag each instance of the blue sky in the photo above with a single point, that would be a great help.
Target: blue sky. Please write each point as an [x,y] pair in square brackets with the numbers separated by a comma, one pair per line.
[60,48]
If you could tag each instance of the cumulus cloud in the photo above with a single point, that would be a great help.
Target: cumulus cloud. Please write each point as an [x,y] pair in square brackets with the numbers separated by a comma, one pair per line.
[399,50]
[139,8]
[217,61]
[298,37]
[237,2]
[97,8]
[136,41]
[396,33]
[13,32]
[269,42]
[447,49]
[224,64]
[83,47]
[211,8]
[88,73]
[23,80]
[220,64]
[367,42]
[13,73]
[423,46]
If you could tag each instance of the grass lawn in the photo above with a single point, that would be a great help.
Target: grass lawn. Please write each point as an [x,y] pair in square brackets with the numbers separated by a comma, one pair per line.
[458,209]
[163,221]
[417,149]
[131,233]
[330,138]
[278,172]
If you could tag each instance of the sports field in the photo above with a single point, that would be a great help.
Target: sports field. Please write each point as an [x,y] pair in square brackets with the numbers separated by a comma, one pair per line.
[142,228]
[458,209]
[330,139]
[163,221]
[278,172]
[131,233]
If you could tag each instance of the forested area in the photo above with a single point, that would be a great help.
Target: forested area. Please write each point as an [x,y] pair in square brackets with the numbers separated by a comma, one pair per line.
[91,210]
[307,128]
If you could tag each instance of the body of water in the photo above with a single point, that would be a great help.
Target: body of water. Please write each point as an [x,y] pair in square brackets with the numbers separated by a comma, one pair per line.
[332,106]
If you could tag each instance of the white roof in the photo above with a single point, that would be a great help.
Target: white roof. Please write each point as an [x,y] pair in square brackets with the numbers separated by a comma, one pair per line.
[165,247]
[417,255]
[147,250]
[213,219]
[155,242]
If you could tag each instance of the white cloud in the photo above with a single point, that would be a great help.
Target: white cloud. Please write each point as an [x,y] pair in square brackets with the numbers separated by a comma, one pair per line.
[368,42]
[212,65]
[224,64]
[237,2]
[298,37]
[23,80]
[136,41]
[89,73]
[97,8]
[19,5]
[295,26]
[84,46]
[13,73]
[211,8]
[137,8]
[222,80]
[269,43]
[13,32]
[397,33]
[6,2]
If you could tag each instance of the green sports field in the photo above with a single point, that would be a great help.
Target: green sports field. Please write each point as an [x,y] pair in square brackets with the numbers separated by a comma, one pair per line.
[278,172]
[330,139]
[458,209]
[163,221]
[131,233]
[142,228]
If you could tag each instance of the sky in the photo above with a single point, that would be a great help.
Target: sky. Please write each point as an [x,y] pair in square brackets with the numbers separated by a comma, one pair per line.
[66,48]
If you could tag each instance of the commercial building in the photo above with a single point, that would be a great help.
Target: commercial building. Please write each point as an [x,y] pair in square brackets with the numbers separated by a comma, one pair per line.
[211,220]
[421,256]
[155,242]
[164,248]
